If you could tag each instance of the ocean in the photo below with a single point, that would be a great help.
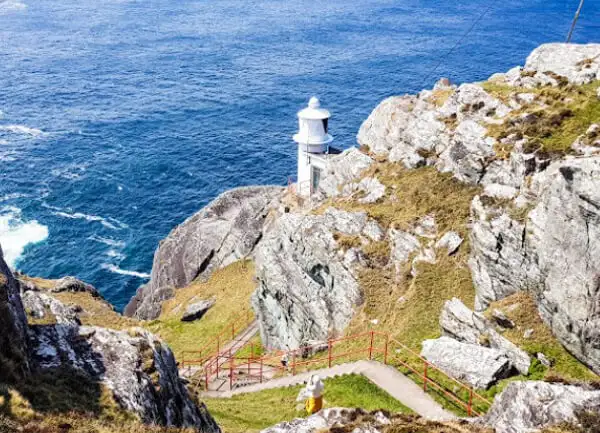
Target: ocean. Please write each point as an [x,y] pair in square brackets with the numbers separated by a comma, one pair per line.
[119,119]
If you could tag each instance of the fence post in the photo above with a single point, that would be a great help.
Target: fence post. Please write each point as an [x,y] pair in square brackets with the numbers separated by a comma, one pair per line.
[469,407]
[371,347]
[385,351]
[329,352]
[261,369]
[425,377]
[231,367]
[294,364]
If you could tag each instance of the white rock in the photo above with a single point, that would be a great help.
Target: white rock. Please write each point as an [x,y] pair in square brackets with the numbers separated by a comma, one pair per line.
[451,241]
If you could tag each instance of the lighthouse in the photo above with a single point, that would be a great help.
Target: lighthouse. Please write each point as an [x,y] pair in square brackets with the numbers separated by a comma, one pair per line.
[313,140]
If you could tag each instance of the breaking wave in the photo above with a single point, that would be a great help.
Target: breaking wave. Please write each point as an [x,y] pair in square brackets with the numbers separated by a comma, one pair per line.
[21,129]
[115,269]
[109,223]
[16,234]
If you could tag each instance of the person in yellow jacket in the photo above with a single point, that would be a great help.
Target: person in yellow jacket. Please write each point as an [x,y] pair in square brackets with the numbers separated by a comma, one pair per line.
[313,393]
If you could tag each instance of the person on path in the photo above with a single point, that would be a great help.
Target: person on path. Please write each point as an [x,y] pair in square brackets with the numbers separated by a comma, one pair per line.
[313,393]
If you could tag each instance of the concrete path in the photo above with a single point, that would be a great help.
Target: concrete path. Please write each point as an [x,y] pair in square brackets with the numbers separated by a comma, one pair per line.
[385,377]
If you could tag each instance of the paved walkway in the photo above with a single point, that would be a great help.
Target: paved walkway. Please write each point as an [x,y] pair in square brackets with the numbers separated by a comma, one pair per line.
[385,377]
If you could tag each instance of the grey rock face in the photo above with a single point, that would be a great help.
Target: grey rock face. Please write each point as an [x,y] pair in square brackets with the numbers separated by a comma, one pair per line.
[13,324]
[478,366]
[224,231]
[197,310]
[331,417]
[551,254]
[580,64]
[40,305]
[525,407]
[307,288]
[343,169]
[138,368]
[499,264]
[458,322]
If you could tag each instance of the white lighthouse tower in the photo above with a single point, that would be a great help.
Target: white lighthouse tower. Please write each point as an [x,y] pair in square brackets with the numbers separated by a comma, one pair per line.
[313,140]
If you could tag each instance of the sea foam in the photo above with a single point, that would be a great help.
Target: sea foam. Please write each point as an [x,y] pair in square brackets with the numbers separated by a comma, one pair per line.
[22,129]
[115,269]
[16,233]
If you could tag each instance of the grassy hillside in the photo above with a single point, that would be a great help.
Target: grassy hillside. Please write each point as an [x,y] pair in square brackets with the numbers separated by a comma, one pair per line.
[248,413]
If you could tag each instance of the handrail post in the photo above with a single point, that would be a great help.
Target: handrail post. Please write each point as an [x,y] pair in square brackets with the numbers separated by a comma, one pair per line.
[385,351]
[294,364]
[329,352]
[469,407]
[217,366]
[425,377]
[261,370]
[371,347]
[206,379]
[230,371]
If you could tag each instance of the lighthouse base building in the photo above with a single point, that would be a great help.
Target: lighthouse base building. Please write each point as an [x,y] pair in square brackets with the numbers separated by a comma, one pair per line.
[314,148]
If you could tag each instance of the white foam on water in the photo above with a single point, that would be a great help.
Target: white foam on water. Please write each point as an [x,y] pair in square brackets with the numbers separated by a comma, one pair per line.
[107,241]
[16,234]
[109,223]
[115,269]
[7,6]
[22,129]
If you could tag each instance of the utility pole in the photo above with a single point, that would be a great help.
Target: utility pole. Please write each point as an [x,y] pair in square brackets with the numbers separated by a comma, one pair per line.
[575,21]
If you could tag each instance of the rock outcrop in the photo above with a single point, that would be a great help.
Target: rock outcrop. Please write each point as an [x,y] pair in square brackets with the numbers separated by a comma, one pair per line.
[464,325]
[307,284]
[139,370]
[525,407]
[14,362]
[476,365]
[226,230]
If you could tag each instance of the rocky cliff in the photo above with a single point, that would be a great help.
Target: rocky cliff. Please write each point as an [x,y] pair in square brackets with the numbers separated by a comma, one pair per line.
[135,368]
[224,231]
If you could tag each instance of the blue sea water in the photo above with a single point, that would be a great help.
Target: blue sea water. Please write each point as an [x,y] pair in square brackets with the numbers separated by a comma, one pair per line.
[121,118]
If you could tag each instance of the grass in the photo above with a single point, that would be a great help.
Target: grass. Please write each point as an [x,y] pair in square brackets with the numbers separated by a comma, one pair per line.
[521,309]
[412,194]
[559,115]
[440,96]
[254,412]
[231,288]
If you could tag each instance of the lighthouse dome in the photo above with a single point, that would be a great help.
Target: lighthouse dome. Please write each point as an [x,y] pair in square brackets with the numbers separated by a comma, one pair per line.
[314,111]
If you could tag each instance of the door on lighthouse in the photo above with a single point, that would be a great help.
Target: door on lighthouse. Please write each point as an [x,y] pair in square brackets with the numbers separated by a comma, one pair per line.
[315,178]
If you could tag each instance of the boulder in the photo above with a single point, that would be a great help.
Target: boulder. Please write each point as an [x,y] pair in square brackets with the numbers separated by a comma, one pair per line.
[307,290]
[224,231]
[525,407]
[72,284]
[476,365]
[197,310]
[451,241]
[459,322]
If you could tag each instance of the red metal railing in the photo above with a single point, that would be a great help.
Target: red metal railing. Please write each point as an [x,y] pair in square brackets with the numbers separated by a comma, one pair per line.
[214,346]
[370,345]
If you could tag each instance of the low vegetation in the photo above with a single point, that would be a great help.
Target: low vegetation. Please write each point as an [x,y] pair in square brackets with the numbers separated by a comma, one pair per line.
[552,122]
[521,309]
[253,412]
[230,287]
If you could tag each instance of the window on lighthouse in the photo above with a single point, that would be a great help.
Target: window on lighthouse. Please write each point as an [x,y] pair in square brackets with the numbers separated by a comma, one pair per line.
[315,178]
[325,125]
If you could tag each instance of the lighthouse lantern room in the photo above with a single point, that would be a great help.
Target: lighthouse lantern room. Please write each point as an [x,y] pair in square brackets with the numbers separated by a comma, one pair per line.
[313,140]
